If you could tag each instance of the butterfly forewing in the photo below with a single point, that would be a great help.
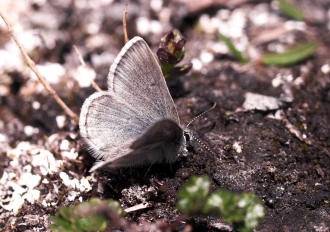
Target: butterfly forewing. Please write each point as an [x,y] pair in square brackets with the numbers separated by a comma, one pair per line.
[137,77]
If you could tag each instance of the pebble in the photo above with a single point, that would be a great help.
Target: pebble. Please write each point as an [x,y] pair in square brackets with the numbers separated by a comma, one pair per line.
[60,121]
[237,146]
[206,57]
[325,68]
[197,64]
[84,76]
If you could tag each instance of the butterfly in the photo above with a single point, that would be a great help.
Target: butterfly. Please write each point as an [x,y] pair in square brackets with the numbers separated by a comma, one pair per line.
[134,122]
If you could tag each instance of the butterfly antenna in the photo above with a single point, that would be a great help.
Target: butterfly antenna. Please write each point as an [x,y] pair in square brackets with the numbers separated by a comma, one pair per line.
[201,114]
[205,146]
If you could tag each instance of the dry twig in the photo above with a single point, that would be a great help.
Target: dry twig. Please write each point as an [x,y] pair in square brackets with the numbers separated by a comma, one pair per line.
[125,25]
[137,207]
[33,67]
[82,62]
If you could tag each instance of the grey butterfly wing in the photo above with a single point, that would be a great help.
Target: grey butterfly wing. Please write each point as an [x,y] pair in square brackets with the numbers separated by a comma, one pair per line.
[160,143]
[136,76]
[105,127]
[164,131]
[110,121]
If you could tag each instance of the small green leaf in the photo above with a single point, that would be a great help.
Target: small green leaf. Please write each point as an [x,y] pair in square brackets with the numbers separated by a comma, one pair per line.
[92,223]
[291,56]
[60,224]
[116,206]
[233,50]
[290,10]
[171,52]
[79,219]
[192,196]
[244,210]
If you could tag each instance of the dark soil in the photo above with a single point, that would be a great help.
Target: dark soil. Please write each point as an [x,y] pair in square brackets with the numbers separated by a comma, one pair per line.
[282,155]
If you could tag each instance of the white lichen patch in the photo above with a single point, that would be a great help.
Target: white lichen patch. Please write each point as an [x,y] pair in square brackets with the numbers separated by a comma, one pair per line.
[72,154]
[65,145]
[53,72]
[49,200]
[15,153]
[24,180]
[29,180]
[10,58]
[46,161]
[18,189]
[72,195]
[82,185]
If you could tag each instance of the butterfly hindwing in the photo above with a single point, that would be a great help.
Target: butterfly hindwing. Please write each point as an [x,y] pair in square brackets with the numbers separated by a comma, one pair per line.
[160,143]
[105,127]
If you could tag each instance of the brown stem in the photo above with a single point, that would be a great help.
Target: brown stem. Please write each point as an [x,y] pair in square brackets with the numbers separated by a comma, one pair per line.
[33,67]
[124,24]
[82,62]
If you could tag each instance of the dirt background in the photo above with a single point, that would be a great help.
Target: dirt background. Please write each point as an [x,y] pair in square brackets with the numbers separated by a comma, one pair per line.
[282,154]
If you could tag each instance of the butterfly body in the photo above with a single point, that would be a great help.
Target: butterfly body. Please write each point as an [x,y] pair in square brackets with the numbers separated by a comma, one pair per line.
[135,121]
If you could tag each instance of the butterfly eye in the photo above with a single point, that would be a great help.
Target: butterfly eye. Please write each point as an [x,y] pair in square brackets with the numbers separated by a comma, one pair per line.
[186,136]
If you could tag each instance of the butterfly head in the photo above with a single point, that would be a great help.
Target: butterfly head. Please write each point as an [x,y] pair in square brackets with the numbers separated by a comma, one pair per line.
[185,142]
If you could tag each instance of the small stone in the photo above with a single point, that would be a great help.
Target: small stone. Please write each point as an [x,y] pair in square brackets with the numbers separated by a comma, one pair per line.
[206,57]
[197,64]
[143,25]
[35,105]
[156,5]
[325,68]
[65,145]
[255,101]
[237,146]
[3,138]
[29,130]
[60,121]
